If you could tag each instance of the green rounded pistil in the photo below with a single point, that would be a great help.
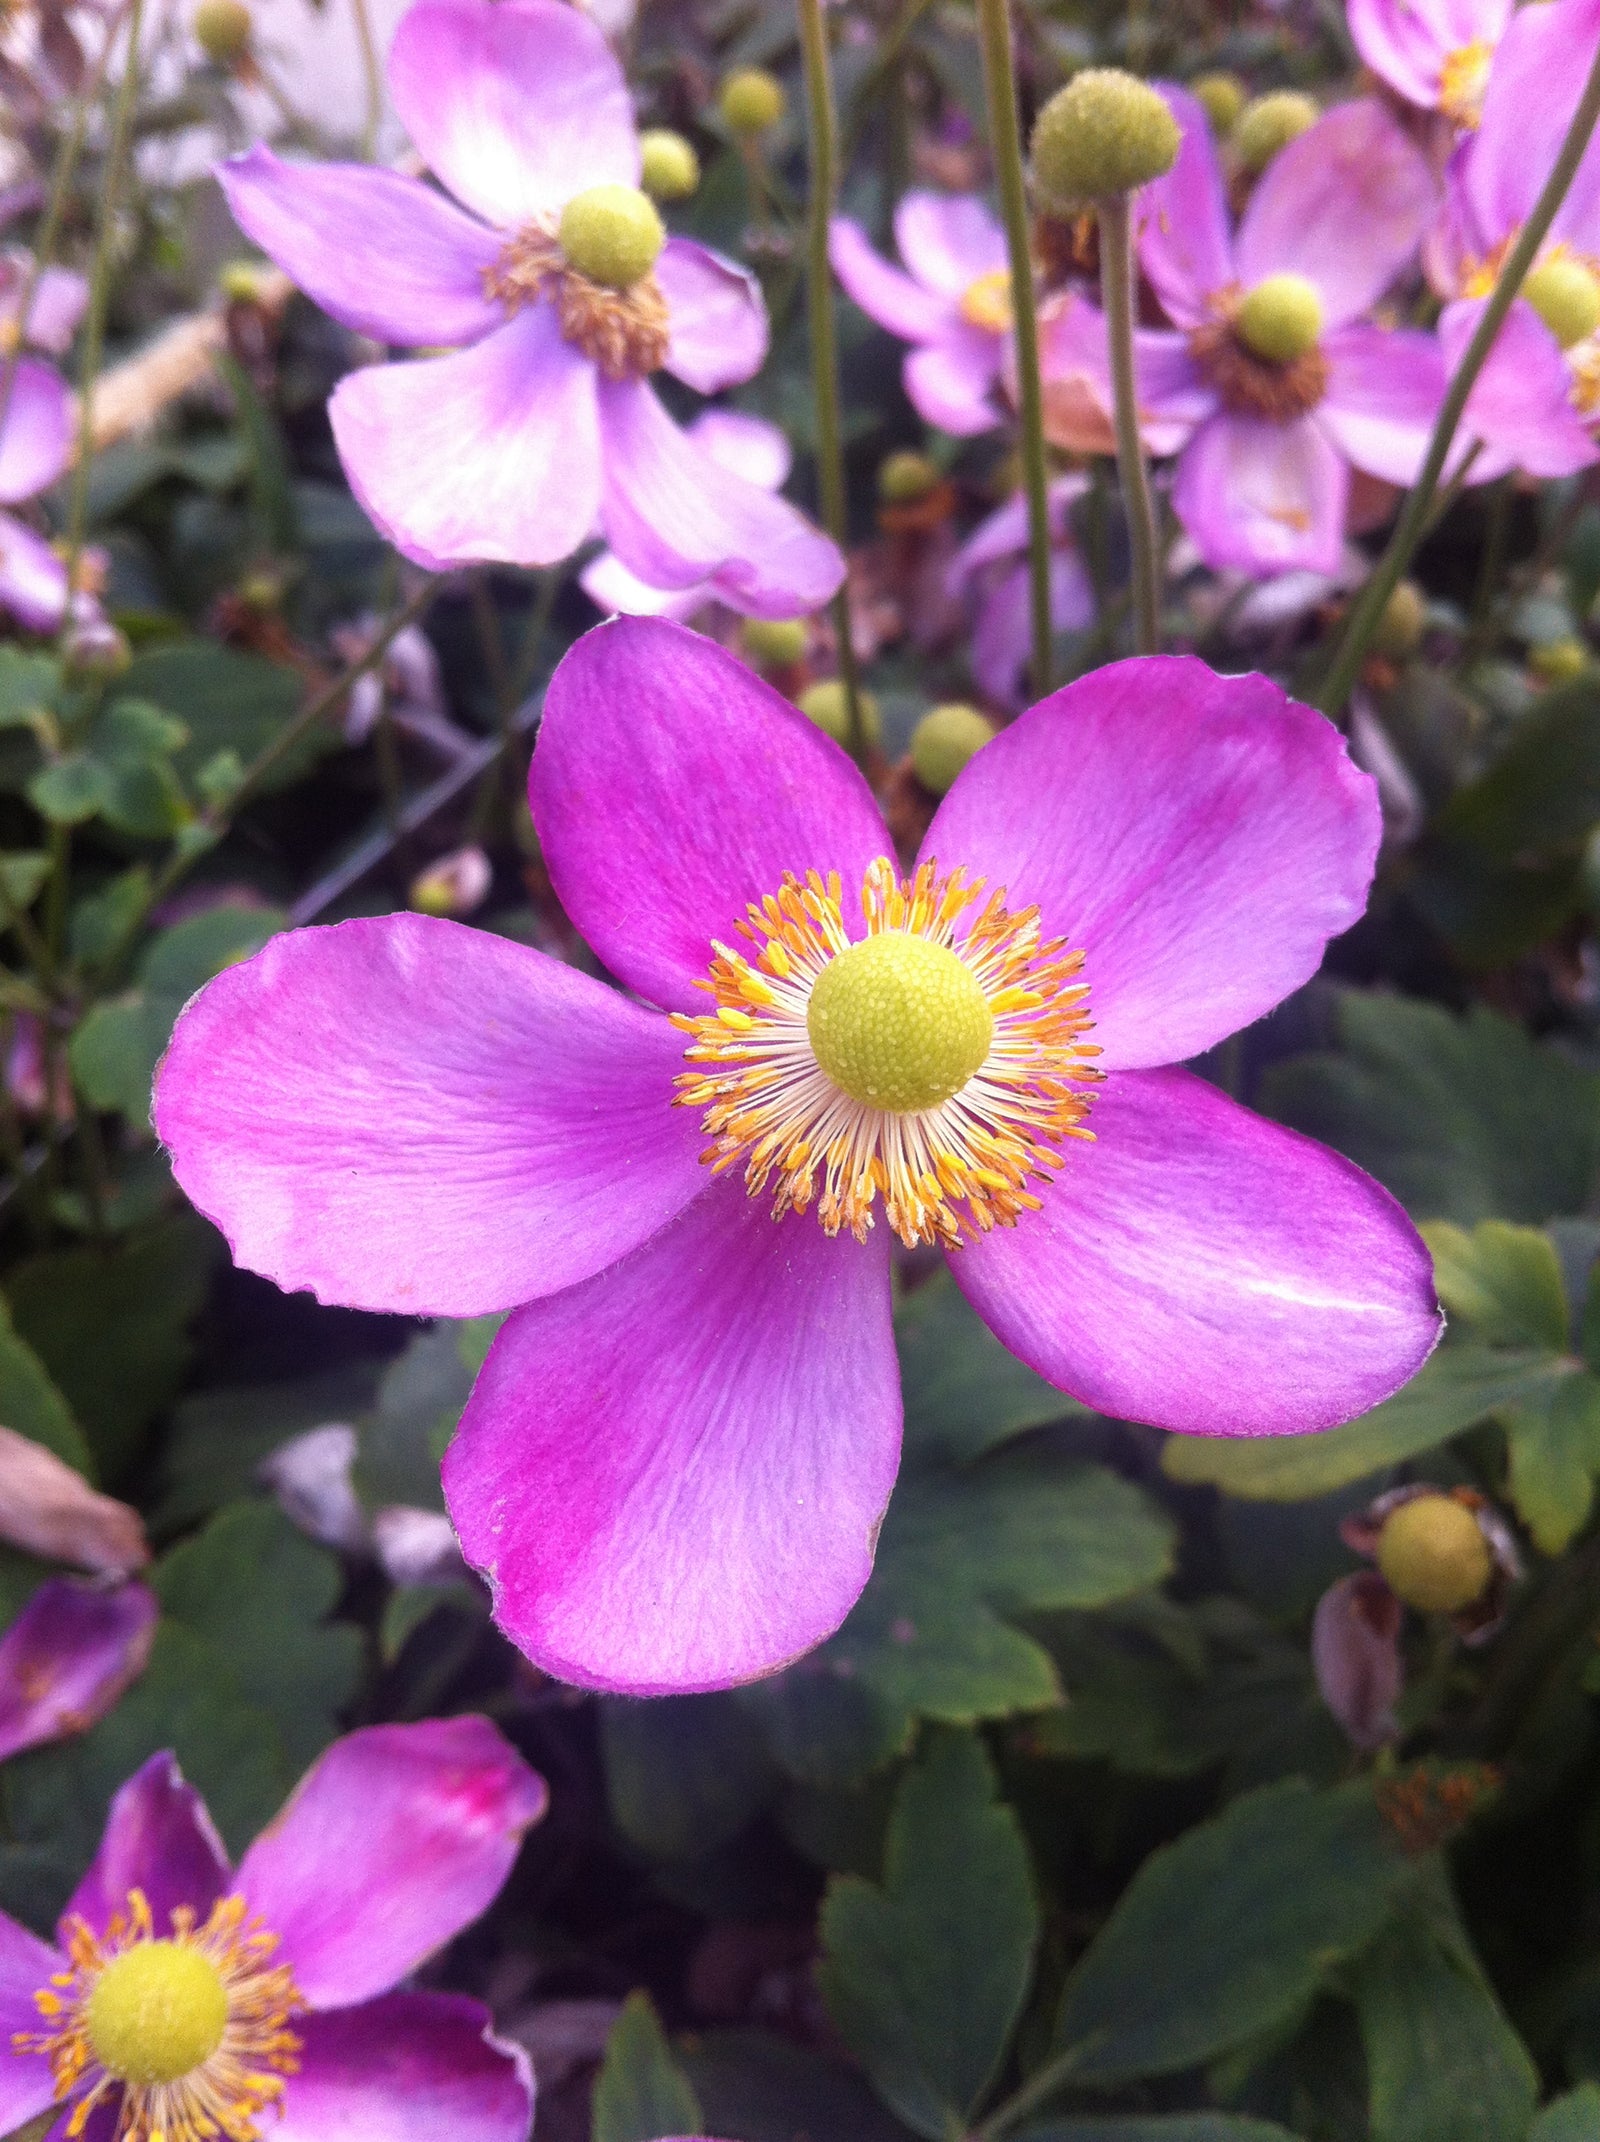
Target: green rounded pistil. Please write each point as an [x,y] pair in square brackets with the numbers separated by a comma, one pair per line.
[1566,296]
[1280,319]
[612,234]
[899,1023]
[157,2011]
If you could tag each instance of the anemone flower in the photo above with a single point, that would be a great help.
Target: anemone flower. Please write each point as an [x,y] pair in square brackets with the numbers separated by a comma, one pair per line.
[183,1999]
[553,286]
[954,305]
[1434,53]
[989,574]
[1281,380]
[68,1656]
[674,1463]
[36,430]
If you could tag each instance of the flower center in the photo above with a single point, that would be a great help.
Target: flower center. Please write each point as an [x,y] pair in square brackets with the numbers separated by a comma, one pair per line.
[1246,379]
[1280,320]
[156,2012]
[1463,77]
[931,1065]
[986,302]
[624,328]
[1565,293]
[612,234]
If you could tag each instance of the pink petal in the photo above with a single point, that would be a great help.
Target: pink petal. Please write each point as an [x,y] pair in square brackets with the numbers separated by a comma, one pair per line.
[425,2066]
[1383,395]
[673,1476]
[68,1656]
[615,592]
[1534,84]
[1355,1655]
[403,1113]
[884,293]
[396,1838]
[515,106]
[671,789]
[947,240]
[160,1839]
[1263,498]
[950,382]
[382,253]
[674,517]
[1004,533]
[27,1966]
[1182,220]
[491,454]
[1173,397]
[718,317]
[1201,837]
[1002,637]
[59,300]
[748,445]
[1345,204]
[36,441]
[1204,1270]
[33,579]
[1521,403]
[1406,41]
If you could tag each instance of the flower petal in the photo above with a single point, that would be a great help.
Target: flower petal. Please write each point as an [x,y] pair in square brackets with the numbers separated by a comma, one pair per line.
[158,1838]
[1204,1270]
[1355,1655]
[68,1656]
[1407,41]
[36,441]
[27,1965]
[1262,497]
[403,1113]
[948,240]
[672,789]
[380,252]
[718,322]
[674,517]
[748,445]
[950,382]
[33,579]
[1540,66]
[396,1838]
[1383,395]
[1201,837]
[60,298]
[1182,220]
[516,107]
[673,1476]
[423,2065]
[1521,402]
[1345,205]
[615,592]
[491,454]
[884,293]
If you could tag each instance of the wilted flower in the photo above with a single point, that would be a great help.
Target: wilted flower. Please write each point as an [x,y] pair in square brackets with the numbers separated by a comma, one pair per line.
[675,1461]
[49,1510]
[1434,53]
[68,1656]
[557,278]
[187,1999]
[989,574]
[954,304]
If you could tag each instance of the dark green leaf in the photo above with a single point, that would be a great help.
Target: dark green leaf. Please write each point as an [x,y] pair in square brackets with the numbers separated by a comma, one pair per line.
[684,1774]
[218,1438]
[765,2089]
[28,687]
[227,702]
[1169,2127]
[641,2093]
[69,791]
[963,1390]
[1573,2118]
[31,1405]
[419,1402]
[22,876]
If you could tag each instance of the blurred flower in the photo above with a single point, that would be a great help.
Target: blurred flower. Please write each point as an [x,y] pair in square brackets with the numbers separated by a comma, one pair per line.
[26,1074]
[1434,53]
[989,574]
[454,884]
[312,1477]
[185,1999]
[675,1461]
[55,304]
[555,278]
[68,1656]
[406,683]
[36,434]
[49,1510]
[954,304]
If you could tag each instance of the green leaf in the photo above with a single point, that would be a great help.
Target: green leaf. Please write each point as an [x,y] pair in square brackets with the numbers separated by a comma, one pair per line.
[963,1390]
[227,701]
[1554,1439]
[218,1438]
[767,2089]
[926,1976]
[1573,2118]
[133,728]
[419,1402]
[684,1774]
[29,684]
[103,919]
[31,1405]
[641,2093]
[1504,1281]
[68,791]
[22,875]
[1167,2127]
[144,797]
[1225,1935]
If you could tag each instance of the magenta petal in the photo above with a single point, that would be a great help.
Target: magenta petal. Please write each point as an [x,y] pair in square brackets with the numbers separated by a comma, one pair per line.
[27,1966]
[1355,1655]
[950,382]
[68,1656]
[1204,1270]
[60,297]
[1182,220]
[425,2066]
[1406,41]
[672,789]
[382,253]
[675,517]
[1534,84]
[718,317]
[158,1838]
[673,1476]
[36,442]
[885,294]
[516,107]
[406,1114]
[1383,395]
[396,1838]
[33,579]
[1521,403]
[493,453]
[948,240]
[1201,837]
[1263,498]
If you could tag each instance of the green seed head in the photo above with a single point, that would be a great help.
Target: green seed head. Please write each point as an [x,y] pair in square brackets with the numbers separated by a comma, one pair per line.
[1221,98]
[1566,296]
[1104,134]
[612,234]
[904,477]
[669,168]
[1280,319]
[1268,124]
[1434,1556]
[943,741]
[157,2011]
[899,1023]
[773,642]
[222,30]
[752,100]
[1404,620]
[826,705]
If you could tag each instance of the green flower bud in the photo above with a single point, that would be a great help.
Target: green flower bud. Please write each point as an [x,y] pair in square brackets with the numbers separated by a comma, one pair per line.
[1280,319]
[1221,98]
[904,477]
[1558,661]
[1433,1555]
[752,100]
[1404,620]
[1268,124]
[773,642]
[943,741]
[612,234]
[1104,134]
[1566,296]
[827,706]
[222,30]
[669,168]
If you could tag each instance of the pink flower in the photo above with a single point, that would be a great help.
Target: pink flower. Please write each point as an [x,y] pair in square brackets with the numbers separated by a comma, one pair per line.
[954,305]
[675,1461]
[991,571]
[542,422]
[1434,53]
[36,433]
[68,1656]
[266,1990]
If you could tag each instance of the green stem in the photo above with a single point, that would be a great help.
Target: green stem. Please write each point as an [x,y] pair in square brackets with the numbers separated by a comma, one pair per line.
[1491,563]
[1042,2085]
[372,75]
[1117,288]
[1413,519]
[1005,146]
[822,138]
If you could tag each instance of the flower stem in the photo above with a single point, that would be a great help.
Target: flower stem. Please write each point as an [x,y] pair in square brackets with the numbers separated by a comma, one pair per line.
[1413,520]
[1005,146]
[822,139]
[372,77]
[1117,287]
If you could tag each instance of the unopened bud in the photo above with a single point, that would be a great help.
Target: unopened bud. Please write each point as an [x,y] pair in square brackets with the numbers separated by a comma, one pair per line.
[1566,296]
[943,741]
[669,170]
[904,477]
[1434,1556]
[612,234]
[1280,319]
[1268,124]
[828,706]
[774,642]
[752,100]
[1221,98]
[454,885]
[1404,620]
[1104,134]
[222,30]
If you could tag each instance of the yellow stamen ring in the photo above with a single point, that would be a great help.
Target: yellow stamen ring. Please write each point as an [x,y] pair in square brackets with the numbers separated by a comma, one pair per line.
[986,302]
[840,1072]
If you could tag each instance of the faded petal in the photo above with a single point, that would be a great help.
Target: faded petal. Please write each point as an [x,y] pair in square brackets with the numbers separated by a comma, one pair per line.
[615,592]
[718,324]
[158,1838]
[423,2065]
[36,441]
[33,579]
[1262,497]
[1355,1655]
[48,1509]
[1182,220]
[68,1656]
[1383,395]
[673,1476]
[1075,367]
[885,294]
[950,382]
[948,240]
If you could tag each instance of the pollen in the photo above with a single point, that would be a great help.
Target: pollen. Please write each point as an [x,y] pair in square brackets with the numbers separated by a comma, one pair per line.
[937,1059]
[1463,77]
[626,332]
[986,302]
